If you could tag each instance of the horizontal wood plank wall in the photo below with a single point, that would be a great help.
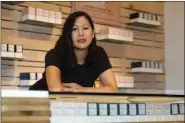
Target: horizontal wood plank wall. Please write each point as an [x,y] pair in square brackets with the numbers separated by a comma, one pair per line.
[37,40]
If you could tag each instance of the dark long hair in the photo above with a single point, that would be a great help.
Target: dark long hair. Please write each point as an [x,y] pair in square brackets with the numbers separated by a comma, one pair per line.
[64,45]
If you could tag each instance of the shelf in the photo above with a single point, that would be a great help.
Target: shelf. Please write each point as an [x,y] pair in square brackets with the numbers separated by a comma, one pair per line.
[144,22]
[36,22]
[146,70]
[115,40]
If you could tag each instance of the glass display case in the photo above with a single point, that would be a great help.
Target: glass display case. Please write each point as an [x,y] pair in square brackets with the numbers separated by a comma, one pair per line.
[66,107]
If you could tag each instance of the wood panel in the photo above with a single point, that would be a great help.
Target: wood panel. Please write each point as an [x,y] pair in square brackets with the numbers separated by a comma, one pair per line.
[153,7]
[145,53]
[61,3]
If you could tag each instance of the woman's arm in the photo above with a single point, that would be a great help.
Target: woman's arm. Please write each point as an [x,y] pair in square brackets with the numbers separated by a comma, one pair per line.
[53,78]
[109,83]
[107,78]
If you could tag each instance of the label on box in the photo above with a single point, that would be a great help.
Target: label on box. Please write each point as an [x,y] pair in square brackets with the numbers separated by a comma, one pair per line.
[149,109]
[132,109]
[174,109]
[113,109]
[11,48]
[181,108]
[92,109]
[123,109]
[141,109]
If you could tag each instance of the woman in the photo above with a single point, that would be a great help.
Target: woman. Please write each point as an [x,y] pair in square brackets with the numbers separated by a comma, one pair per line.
[76,61]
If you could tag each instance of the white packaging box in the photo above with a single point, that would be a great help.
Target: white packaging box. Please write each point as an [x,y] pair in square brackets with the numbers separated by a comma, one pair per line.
[28,14]
[46,16]
[113,109]
[141,109]
[125,81]
[52,16]
[27,82]
[4,47]
[123,109]
[19,51]
[132,109]
[11,51]
[174,109]
[166,109]
[33,76]
[39,76]
[68,109]
[157,109]
[58,18]
[103,109]
[80,109]
[181,108]
[39,14]
[149,109]
[92,109]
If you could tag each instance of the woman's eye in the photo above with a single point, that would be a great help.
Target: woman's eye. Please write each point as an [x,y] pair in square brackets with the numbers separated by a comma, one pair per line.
[74,29]
[86,28]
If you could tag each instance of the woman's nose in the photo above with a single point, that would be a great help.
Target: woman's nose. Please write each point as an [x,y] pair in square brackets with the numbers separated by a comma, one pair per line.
[80,32]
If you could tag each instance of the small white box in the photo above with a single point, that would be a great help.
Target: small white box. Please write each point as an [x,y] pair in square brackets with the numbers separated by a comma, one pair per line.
[81,109]
[4,47]
[166,109]
[39,76]
[58,18]
[181,108]
[11,48]
[123,109]
[174,109]
[46,16]
[145,16]
[113,109]
[132,109]
[141,109]
[19,49]
[149,16]
[92,109]
[39,14]
[28,14]
[154,17]
[103,109]
[158,18]
[141,15]
[149,109]
[33,76]
[158,109]
[52,16]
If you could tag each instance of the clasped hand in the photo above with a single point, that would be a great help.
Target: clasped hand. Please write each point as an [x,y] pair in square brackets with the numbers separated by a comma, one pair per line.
[72,87]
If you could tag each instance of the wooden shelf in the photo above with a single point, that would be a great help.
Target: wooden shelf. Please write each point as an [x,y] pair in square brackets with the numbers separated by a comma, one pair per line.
[144,22]
[114,40]
[146,70]
[39,23]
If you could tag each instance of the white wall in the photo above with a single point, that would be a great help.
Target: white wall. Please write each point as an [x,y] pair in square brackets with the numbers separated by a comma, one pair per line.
[174,46]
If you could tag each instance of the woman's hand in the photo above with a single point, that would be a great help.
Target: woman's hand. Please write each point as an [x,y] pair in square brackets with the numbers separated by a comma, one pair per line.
[74,87]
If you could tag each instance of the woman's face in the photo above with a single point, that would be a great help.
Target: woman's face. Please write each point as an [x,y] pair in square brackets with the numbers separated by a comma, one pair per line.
[82,33]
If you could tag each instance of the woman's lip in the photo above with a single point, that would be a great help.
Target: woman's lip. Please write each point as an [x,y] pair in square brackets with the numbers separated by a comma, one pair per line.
[81,40]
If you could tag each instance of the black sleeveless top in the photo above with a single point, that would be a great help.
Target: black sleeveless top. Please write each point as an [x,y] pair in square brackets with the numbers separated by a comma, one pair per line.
[81,74]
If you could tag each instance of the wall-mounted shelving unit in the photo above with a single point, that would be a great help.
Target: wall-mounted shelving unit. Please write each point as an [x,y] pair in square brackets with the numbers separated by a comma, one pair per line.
[145,19]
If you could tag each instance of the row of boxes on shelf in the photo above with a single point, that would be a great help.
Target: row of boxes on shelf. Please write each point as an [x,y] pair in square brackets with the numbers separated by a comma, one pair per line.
[28,79]
[145,18]
[125,81]
[42,15]
[11,51]
[147,66]
[111,33]
[59,108]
